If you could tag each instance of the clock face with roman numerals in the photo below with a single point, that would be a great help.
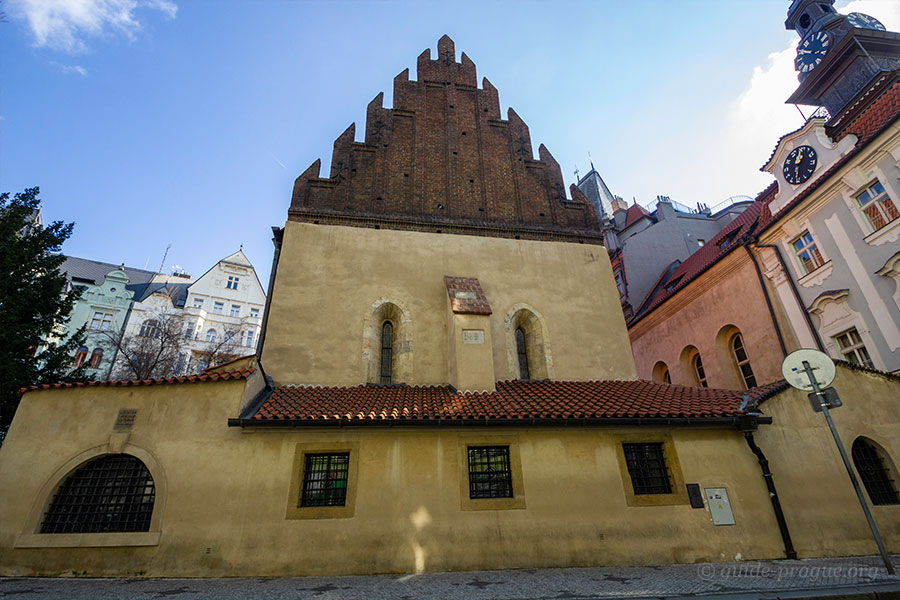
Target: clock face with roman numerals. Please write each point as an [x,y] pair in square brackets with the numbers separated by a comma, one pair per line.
[864,21]
[800,164]
[812,50]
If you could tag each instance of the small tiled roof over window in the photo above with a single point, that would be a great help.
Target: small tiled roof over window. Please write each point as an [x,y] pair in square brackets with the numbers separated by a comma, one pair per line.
[466,296]
[517,401]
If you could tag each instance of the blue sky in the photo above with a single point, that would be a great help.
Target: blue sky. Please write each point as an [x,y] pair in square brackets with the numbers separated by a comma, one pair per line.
[157,122]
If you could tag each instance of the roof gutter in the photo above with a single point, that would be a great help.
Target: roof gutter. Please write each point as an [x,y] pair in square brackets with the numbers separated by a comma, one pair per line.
[747,422]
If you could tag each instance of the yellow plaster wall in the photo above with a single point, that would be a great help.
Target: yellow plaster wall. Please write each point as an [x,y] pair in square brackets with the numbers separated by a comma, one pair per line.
[727,294]
[328,278]
[819,502]
[228,491]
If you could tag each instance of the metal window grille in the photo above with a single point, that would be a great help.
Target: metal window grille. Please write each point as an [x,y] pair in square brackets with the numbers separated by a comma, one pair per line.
[647,468]
[489,472]
[387,351]
[113,493]
[522,351]
[325,479]
[743,361]
[807,252]
[701,373]
[853,349]
[874,475]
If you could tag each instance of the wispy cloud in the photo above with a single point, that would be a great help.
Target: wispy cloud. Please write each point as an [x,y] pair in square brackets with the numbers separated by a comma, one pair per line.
[69,69]
[61,24]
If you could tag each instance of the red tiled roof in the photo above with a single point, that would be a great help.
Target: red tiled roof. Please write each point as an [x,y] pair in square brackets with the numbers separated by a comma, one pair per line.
[466,296]
[705,257]
[633,214]
[512,400]
[222,376]
[883,111]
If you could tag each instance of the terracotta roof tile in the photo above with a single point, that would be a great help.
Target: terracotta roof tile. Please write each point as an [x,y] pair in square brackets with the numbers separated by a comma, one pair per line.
[466,296]
[220,376]
[512,400]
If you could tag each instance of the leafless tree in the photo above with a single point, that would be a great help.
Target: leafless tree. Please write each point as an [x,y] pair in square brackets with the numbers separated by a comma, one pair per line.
[153,352]
[167,346]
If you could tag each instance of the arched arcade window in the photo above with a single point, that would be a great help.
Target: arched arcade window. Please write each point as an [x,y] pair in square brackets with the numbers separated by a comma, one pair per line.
[869,460]
[699,371]
[211,335]
[387,351]
[742,361]
[112,493]
[661,372]
[96,357]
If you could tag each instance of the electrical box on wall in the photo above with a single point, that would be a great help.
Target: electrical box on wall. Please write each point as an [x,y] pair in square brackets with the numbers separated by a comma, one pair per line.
[719,506]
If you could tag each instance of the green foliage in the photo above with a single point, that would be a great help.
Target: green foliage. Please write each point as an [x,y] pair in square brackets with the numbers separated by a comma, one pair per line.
[34,302]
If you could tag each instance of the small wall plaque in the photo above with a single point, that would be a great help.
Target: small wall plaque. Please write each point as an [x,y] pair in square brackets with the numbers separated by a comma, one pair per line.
[465,295]
[125,419]
[473,336]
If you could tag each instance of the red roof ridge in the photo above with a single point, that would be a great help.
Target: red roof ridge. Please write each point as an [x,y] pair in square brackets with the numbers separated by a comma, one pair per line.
[201,377]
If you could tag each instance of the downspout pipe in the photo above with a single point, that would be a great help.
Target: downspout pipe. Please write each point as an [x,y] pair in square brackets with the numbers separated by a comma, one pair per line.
[793,286]
[773,494]
[277,236]
[762,284]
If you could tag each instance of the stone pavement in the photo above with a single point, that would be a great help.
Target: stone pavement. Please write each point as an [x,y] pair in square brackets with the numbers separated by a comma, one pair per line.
[855,577]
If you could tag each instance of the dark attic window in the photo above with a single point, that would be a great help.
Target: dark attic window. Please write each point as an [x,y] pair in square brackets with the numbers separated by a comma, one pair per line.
[728,239]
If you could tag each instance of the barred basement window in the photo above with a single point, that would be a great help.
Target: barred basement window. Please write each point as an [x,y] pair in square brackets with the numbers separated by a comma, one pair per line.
[522,352]
[113,493]
[387,351]
[647,468]
[325,479]
[870,466]
[489,472]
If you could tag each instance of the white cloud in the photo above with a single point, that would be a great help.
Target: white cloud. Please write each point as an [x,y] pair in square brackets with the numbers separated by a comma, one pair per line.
[759,115]
[60,24]
[77,69]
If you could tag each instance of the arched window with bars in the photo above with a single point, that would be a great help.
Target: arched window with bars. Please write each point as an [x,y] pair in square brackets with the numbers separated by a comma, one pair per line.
[387,351]
[112,493]
[872,464]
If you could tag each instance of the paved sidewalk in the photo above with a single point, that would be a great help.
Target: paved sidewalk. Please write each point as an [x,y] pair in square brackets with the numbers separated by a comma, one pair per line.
[854,577]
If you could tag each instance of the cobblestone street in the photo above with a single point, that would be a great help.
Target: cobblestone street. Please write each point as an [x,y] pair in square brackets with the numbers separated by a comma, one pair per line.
[857,577]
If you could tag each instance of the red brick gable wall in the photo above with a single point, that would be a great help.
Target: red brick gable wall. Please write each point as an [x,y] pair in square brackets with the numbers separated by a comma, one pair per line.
[443,159]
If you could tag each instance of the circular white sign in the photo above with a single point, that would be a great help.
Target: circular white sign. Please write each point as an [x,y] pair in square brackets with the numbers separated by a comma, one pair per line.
[794,372]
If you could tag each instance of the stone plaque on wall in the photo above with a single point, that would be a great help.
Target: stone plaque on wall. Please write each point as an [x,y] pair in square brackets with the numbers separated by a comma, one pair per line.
[473,336]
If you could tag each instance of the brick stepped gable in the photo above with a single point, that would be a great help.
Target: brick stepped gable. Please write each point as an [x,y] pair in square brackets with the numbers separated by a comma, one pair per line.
[443,160]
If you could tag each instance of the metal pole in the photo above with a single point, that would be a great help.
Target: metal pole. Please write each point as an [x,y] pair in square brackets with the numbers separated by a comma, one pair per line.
[862,500]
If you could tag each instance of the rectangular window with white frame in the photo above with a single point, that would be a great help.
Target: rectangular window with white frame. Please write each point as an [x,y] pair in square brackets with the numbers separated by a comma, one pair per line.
[254,313]
[232,282]
[807,253]
[218,308]
[876,205]
[198,302]
[235,310]
[853,349]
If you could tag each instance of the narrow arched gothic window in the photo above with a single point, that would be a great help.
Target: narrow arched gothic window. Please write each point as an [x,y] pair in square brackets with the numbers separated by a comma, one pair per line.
[387,350]
[699,371]
[743,361]
[522,351]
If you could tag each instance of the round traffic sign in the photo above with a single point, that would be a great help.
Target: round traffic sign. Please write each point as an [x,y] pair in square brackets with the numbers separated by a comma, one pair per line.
[795,373]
